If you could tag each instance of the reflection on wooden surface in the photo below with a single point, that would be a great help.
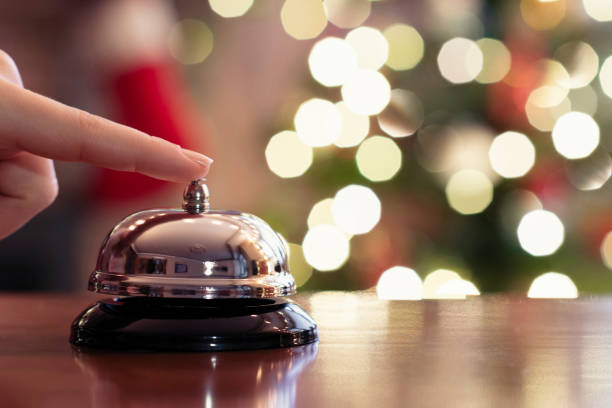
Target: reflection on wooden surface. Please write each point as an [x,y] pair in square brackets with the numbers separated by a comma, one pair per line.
[481,352]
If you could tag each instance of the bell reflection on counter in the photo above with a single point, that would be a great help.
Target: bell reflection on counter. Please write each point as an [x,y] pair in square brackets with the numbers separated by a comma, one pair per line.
[266,378]
[193,279]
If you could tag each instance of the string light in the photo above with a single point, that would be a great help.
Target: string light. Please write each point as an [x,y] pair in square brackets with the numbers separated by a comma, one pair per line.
[190,41]
[378,158]
[511,154]
[496,60]
[230,8]
[575,135]
[300,269]
[321,213]
[347,13]
[287,156]
[606,250]
[600,10]
[605,76]
[356,209]
[435,279]
[403,115]
[406,47]
[332,61]
[460,60]
[326,247]
[318,122]
[355,127]
[371,47]
[469,191]
[366,92]
[303,19]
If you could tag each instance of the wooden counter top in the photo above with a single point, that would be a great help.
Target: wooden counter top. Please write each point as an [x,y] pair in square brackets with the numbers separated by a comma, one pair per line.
[487,351]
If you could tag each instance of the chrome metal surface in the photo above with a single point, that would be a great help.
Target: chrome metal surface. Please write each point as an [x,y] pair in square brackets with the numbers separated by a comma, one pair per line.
[196,197]
[189,254]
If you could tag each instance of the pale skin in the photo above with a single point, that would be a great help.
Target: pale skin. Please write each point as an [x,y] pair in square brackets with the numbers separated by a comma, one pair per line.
[35,130]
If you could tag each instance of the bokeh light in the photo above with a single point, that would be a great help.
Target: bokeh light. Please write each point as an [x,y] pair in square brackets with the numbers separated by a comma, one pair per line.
[190,41]
[542,15]
[496,63]
[299,268]
[544,118]
[399,283]
[600,10]
[606,250]
[356,209]
[378,158]
[230,8]
[355,127]
[580,61]
[406,47]
[303,19]
[371,47]
[326,247]
[347,13]
[287,156]
[605,76]
[332,61]
[512,154]
[592,172]
[540,232]
[435,279]
[457,289]
[460,60]
[318,122]
[403,115]
[366,92]
[553,285]
[575,135]
[469,191]
[321,213]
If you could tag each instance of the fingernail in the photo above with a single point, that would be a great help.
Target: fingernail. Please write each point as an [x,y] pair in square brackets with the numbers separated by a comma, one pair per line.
[198,158]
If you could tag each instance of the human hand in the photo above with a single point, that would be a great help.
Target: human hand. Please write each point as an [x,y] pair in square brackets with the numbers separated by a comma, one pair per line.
[34,130]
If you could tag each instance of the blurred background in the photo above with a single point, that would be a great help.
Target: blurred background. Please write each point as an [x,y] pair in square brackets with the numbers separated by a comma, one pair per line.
[430,149]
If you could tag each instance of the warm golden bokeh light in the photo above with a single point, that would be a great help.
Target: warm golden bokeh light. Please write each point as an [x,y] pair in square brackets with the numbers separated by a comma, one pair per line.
[469,191]
[326,247]
[457,289]
[540,232]
[347,13]
[299,268]
[542,15]
[575,135]
[399,283]
[553,285]
[496,63]
[544,118]
[356,209]
[230,8]
[321,213]
[378,158]
[355,127]
[606,250]
[303,19]
[318,122]
[404,114]
[512,154]
[435,279]
[366,92]
[332,61]
[287,156]
[600,10]
[460,60]
[581,62]
[190,41]
[371,47]
[406,47]
[605,76]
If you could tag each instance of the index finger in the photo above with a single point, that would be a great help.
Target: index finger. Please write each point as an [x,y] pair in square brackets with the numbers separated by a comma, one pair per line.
[39,125]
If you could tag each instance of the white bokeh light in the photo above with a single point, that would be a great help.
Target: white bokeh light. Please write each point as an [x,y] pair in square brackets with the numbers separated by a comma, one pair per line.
[332,61]
[605,76]
[469,191]
[540,232]
[435,279]
[321,213]
[457,289]
[460,60]
[366,92]
[356,209]
[325,247]
[553,285]
[318,122]
[399,283]
[230,8]
[511,154]
[371,47]
[606,250]
[378,158]
[287,156]
[575,135]
[600,10]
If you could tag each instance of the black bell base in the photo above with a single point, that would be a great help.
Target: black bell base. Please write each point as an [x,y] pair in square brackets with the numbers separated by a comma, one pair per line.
[171,324]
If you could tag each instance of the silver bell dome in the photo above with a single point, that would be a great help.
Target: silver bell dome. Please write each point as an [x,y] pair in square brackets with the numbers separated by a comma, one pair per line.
[193,252]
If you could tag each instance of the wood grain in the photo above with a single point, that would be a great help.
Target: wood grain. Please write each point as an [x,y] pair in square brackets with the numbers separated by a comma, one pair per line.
[490,351]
